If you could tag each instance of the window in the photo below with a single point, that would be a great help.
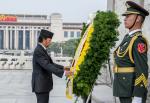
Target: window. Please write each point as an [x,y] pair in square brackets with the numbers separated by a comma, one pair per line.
[13,39]
[78,34]
[9,34]
[27,39]
[38,34]
[20,39]
[1,39]
[65,34]
[72,34]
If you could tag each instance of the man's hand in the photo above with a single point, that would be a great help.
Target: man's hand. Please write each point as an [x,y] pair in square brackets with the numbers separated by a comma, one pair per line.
[67,68]
[137,100]
[68,73]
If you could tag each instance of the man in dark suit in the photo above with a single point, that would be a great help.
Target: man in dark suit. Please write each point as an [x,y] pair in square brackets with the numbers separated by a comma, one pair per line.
[131,68]
[44,67]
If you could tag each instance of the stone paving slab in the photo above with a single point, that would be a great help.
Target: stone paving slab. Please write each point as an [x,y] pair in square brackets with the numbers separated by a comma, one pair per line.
[15,87]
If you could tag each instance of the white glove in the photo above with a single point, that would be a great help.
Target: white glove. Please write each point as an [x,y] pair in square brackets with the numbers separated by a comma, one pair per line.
[137,100]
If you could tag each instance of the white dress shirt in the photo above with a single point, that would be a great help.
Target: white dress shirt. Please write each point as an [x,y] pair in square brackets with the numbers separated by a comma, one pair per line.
[43,46]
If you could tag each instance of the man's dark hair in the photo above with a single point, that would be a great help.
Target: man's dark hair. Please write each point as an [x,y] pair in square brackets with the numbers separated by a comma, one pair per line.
[44,34]
[41,38]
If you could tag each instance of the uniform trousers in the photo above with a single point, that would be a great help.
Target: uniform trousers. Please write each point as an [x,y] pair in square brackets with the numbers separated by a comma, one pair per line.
[129,99]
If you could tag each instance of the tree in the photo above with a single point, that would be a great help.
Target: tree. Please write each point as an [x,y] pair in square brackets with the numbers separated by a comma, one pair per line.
[55,47]
[69,47]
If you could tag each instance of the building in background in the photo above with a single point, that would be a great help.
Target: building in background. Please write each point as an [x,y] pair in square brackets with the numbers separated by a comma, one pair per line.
[20,32]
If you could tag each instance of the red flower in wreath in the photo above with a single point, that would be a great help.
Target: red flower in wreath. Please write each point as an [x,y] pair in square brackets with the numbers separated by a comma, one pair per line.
[141,47]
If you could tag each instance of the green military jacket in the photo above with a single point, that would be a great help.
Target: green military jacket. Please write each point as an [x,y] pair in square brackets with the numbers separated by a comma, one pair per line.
[132,52]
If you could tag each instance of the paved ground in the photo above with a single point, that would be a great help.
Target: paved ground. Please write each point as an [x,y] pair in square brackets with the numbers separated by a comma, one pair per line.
[102,93]
[15,87]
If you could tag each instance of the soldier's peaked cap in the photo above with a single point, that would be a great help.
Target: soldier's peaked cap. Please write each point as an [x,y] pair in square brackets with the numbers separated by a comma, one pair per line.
[134,8]
[46,33]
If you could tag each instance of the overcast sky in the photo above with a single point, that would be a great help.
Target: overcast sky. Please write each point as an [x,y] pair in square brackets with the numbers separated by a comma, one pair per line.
[71,10]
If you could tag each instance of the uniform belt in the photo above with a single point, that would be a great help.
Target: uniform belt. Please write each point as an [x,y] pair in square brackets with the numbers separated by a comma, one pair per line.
[123,69]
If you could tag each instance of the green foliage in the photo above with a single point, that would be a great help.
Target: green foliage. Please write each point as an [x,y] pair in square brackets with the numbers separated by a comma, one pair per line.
[55,47]
[103,39]
[68,47]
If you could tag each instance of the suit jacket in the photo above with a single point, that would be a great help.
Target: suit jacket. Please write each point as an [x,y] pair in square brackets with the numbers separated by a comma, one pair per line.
[43,67]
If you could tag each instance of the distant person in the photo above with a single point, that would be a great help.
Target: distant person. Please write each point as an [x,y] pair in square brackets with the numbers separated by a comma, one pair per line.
[44,67]
[131,68]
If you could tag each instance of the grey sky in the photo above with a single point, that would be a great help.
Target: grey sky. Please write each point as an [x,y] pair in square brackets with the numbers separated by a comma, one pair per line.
[71,10]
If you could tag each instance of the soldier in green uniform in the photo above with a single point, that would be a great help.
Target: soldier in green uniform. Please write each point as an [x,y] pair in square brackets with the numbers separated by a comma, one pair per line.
[131,68]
